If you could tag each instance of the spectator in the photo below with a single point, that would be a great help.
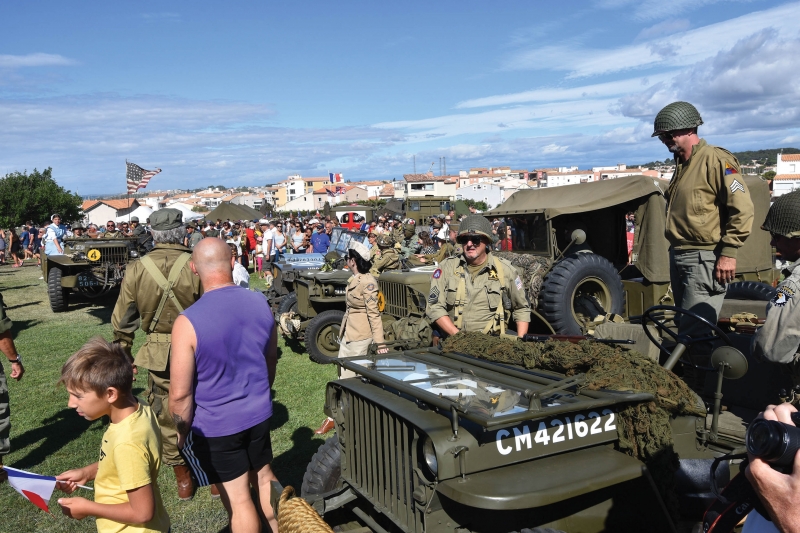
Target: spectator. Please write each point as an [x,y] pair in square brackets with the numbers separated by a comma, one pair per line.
[99,378]
[297,237]
[223,427]
[240,275]
[320,240]
[91,231]
[25,243]
[10,351]
[267,244]
[250,233]
[278,244]
[306,247]
[16,248]
[426,244]
[2,247]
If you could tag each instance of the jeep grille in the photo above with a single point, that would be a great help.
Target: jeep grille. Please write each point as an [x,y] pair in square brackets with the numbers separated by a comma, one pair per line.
[397,300]
[115,255]
[380,455]
[301,289]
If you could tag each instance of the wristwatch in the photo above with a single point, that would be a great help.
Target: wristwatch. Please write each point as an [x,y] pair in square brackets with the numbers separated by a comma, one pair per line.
[17,360]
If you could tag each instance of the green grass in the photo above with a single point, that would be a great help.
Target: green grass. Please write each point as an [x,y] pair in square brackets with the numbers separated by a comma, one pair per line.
[49,438]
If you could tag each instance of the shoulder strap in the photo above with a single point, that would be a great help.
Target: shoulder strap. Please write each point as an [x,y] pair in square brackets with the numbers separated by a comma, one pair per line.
[166,284]
[461,296]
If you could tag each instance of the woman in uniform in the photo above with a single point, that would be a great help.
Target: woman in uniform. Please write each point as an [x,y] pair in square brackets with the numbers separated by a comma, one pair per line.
[361,325]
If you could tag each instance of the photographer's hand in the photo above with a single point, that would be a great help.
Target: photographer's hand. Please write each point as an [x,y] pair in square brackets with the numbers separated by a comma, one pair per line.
[780,493]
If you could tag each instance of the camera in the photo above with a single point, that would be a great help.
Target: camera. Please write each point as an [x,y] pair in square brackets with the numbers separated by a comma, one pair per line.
[773,442]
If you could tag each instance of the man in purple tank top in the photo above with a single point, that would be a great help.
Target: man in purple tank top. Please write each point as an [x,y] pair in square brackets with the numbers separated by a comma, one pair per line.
[221,377]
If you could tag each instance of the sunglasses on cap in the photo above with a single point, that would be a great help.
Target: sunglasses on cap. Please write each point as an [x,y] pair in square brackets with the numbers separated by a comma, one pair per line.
[467,237]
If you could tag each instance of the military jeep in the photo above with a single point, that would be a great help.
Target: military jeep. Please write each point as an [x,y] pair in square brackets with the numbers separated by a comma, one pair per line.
[284,273]
[91,267]
[433,441]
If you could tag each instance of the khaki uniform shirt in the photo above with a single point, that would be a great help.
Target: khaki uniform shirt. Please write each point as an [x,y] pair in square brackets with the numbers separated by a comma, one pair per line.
[374,253]
[194,238]
[778,339]
[138,301]
[362,320]
[113,235]
[708,204]
[389,260]
[483,294]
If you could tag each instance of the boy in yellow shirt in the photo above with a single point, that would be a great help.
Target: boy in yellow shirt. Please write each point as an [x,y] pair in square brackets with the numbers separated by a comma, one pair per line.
[99,378]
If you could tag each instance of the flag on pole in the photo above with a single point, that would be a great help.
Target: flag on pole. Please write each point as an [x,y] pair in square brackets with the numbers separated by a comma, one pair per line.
[137,177]
[335,178]
[34,487]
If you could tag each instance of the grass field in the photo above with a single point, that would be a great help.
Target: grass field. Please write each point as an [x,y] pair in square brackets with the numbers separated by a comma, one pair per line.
[49,438]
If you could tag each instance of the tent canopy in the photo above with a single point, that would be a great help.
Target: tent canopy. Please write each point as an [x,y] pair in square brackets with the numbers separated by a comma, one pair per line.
[229,211]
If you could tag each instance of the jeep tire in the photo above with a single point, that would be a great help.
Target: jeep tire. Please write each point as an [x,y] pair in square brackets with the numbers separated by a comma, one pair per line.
[323,472]
[578,288]
[288,303]
[321,336]
[750,290]
[59,296]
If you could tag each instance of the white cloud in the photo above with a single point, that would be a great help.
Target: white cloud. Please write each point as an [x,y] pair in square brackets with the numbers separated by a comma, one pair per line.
[645,10]
[667,27]
[677,50]
[34,60]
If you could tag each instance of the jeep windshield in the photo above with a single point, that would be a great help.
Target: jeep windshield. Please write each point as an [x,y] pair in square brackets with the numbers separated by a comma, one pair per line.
[527,233]
[489,394]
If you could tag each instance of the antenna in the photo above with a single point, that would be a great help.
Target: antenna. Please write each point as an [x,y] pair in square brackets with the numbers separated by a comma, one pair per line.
[444,161]
[431,167]
[415,164]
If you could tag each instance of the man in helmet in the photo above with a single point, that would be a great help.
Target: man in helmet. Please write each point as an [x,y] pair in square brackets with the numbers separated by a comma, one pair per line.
[779,339]
[467,291]
[408,243]
[389,258]
[709,215]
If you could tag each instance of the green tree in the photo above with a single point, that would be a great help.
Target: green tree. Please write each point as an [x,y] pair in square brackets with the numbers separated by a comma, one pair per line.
[35,196]
[768,175]
[480,205]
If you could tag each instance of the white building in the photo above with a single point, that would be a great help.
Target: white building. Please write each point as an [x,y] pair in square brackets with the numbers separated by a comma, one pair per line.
[482,192]
[300,203]
[99,212]
[787,174]
[418,185]
[557,179]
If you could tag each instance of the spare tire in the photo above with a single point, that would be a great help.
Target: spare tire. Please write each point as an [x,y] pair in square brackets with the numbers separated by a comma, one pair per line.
[750,290]
[322,336]
[577,289]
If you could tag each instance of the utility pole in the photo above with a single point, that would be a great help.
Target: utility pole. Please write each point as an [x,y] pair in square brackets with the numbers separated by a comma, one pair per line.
[415,164]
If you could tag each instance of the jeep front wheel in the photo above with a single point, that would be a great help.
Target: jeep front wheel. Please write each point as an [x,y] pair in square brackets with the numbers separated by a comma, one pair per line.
[579,288]
[287,303]
[323,472]
[59,296]
[322,336]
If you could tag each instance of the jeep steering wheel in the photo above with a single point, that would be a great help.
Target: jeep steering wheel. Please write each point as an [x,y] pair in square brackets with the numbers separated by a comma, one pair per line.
[683,342]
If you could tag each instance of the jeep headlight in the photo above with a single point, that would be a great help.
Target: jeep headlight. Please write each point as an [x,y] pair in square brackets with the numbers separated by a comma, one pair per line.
[429,453]
[339,291]
[134,253]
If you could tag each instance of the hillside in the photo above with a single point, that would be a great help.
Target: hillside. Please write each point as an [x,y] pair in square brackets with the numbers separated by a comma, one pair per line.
[746,157]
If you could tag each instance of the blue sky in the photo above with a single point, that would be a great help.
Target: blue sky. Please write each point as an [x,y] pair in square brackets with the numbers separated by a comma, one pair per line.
[245,93]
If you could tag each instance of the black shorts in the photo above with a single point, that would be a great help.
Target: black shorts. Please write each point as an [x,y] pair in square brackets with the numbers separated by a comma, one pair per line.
[221,459]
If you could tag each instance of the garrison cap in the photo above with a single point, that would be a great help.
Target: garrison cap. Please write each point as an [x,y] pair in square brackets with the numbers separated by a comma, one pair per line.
[783,217]
[676,116]
[360,249]
[165,219]
[477,224]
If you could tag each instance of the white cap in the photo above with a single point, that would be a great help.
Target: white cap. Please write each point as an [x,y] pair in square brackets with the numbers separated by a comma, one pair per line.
[361,249]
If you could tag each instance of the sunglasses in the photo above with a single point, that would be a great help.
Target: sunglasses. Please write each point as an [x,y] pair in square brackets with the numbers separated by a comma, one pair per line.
[669,135]
[464,239]
[109,225]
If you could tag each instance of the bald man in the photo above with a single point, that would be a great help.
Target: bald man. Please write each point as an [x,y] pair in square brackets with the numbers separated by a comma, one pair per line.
[223,427]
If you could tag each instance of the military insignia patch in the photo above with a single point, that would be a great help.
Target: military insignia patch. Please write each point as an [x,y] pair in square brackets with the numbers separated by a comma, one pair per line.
[518,283]
[433,297]
[493,275]
[782,297]
[370,287]
[736,186]
[437,273]
[730,169]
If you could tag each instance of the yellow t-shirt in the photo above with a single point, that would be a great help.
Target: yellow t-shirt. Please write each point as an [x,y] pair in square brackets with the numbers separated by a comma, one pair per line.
[130,456]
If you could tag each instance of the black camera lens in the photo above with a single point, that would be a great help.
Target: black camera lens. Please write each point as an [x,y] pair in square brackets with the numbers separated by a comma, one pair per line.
[773,442]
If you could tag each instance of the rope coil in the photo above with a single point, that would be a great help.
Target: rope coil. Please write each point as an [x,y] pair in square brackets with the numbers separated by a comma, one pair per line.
[295,515]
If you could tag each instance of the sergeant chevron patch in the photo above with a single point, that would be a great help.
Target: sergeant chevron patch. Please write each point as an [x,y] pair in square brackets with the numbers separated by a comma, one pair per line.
[736,186]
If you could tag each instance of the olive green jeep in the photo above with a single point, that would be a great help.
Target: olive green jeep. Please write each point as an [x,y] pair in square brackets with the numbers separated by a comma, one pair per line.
[444,441]
[91,267]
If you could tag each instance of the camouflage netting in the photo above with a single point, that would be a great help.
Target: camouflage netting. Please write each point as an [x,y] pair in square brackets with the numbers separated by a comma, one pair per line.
[644,428]
[532,269]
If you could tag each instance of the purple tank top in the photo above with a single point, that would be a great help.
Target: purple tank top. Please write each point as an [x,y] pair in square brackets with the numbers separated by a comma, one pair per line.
[233,327]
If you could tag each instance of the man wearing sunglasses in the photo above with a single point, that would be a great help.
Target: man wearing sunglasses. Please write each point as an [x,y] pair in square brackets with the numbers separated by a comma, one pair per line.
[709,216]
[112,232]
[467,292]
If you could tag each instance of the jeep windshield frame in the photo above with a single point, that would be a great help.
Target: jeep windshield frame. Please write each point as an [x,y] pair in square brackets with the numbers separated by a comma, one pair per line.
[476,389]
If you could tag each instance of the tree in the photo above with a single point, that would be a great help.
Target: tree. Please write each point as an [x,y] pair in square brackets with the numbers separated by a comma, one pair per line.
[35,196]
[768,175]
[480,205]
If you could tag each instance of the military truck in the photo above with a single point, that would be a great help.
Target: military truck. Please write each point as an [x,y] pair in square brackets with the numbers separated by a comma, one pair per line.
[598,276]
[422,208]
[431,441]
[91,267]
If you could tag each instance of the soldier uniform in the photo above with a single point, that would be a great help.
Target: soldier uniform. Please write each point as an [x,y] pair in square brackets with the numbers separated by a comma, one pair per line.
[408,241]
[5,413]
[140,302]
[779,339]
[116,234]
[389,259]
[374,253]
[195,237]
[138,230]
[472,296]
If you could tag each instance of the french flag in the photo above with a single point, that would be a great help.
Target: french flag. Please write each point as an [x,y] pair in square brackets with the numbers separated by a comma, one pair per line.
[34,487]
[335,178]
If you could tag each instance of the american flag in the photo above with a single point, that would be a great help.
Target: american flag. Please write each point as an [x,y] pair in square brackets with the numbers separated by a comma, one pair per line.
[138,178]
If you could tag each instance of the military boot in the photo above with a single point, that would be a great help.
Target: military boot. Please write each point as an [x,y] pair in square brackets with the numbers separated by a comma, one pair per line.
[185,484]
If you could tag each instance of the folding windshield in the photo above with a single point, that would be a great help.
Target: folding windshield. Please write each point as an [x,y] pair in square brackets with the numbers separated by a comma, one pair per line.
[525,233]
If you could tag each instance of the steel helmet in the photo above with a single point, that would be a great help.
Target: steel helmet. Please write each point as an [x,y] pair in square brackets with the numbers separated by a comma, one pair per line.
[385,240]
[676,116]
[783,217]
[477,224]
